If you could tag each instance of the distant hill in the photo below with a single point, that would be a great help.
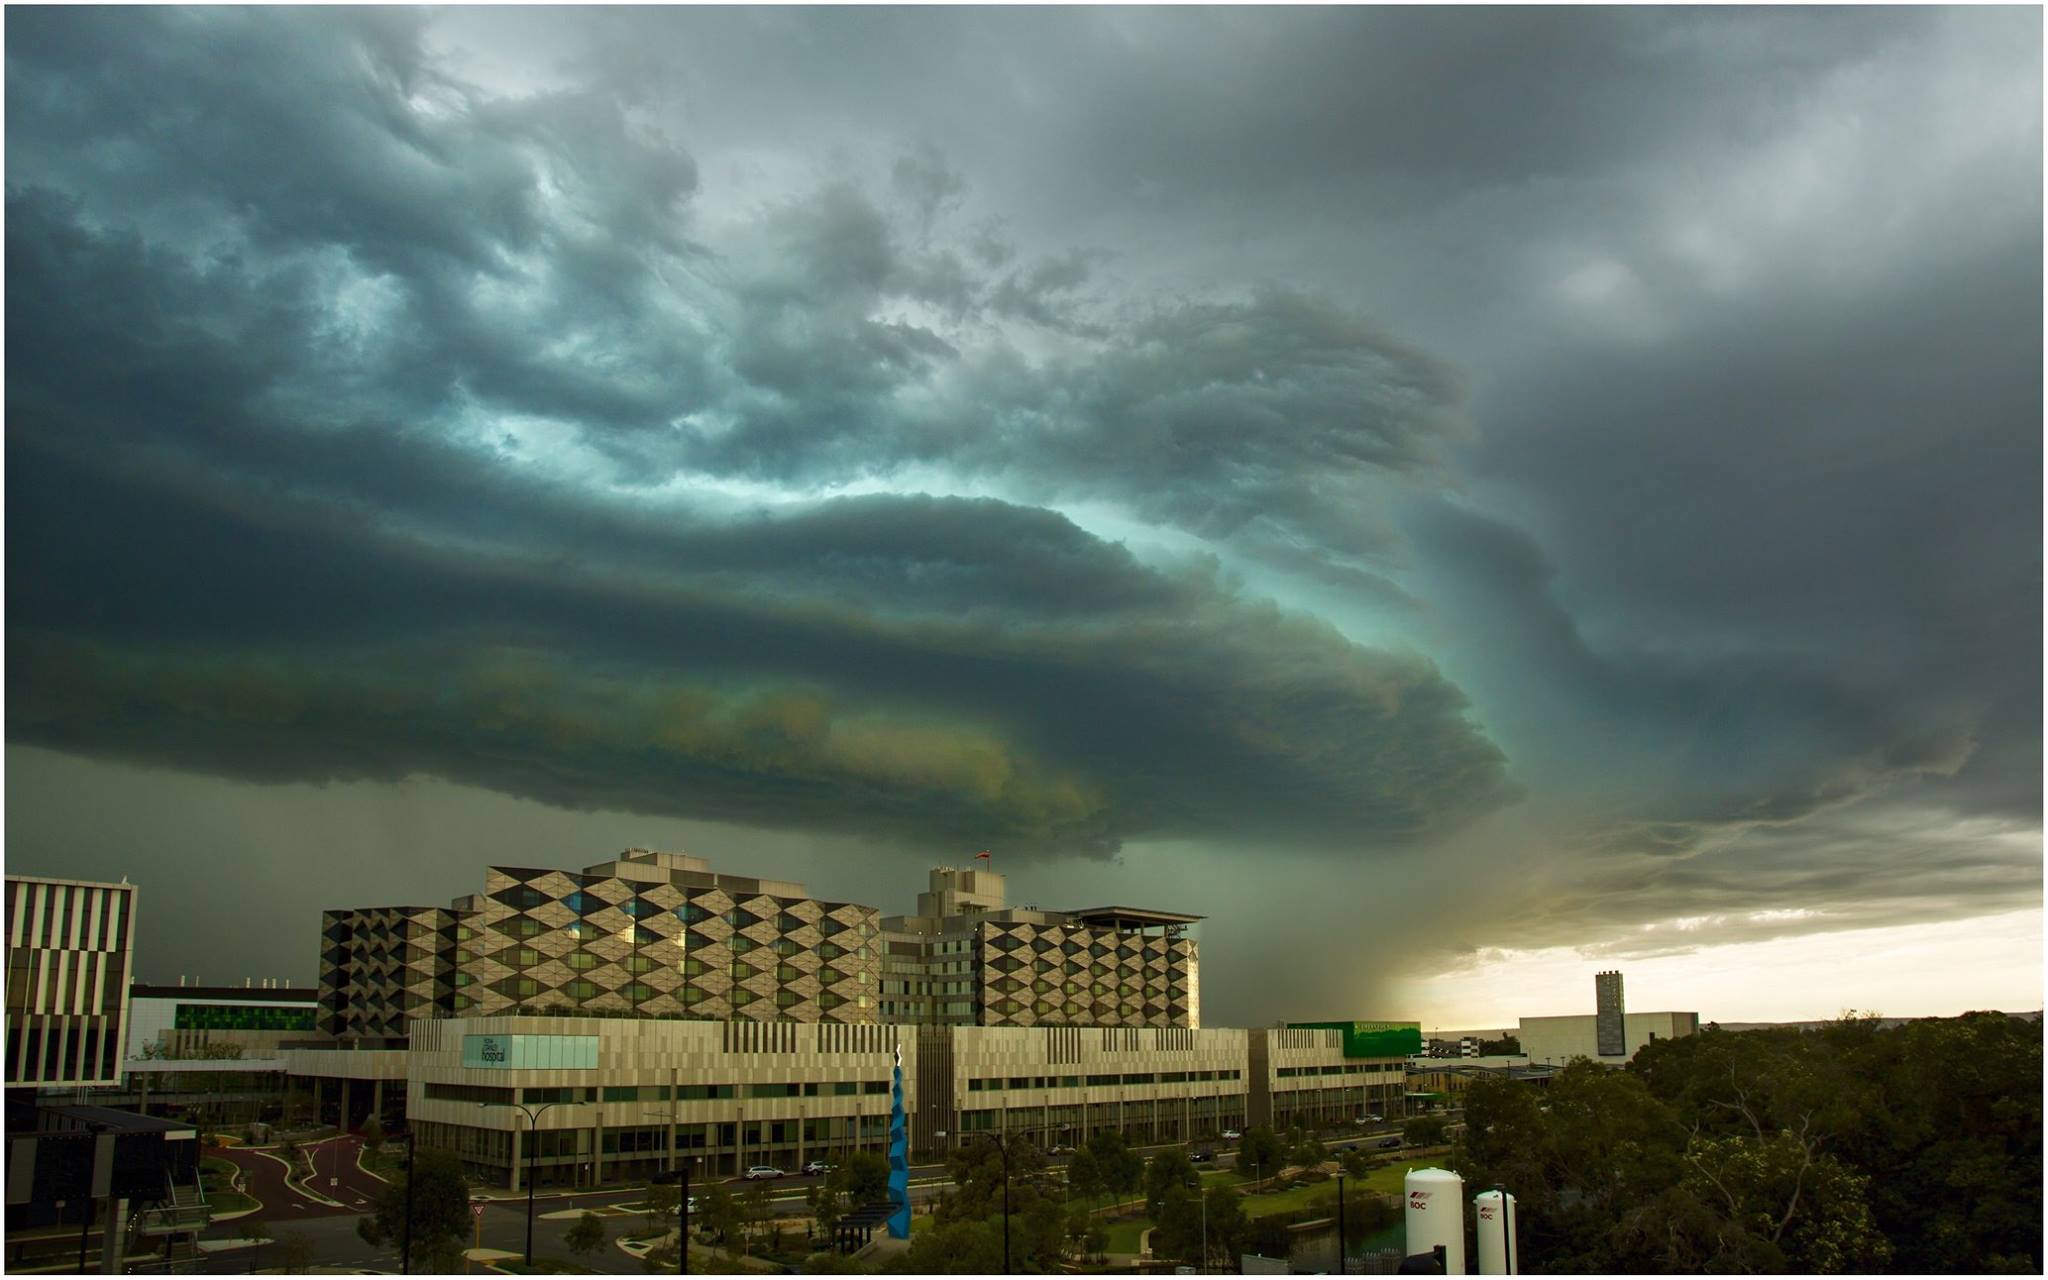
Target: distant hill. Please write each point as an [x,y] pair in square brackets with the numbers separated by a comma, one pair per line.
[1817,1023]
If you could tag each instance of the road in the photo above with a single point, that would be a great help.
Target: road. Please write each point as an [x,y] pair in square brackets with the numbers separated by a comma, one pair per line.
[332,1229]
[337,1177]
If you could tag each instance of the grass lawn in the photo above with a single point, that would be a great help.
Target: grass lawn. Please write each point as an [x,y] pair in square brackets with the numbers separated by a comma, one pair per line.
[1123,1236]
[387,1163]
[546,1267]
[1390,1178]
[218,1176]
[1290,1199]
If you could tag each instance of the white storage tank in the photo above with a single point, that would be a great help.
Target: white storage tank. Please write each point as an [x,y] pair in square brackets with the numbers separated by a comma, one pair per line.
[1500,1254]
[1436,1216]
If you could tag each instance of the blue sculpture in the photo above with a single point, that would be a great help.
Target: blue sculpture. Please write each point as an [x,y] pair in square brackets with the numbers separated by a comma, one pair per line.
[899,1158]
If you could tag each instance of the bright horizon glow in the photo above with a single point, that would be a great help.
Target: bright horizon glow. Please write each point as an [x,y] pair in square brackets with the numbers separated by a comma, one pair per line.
[1903,971]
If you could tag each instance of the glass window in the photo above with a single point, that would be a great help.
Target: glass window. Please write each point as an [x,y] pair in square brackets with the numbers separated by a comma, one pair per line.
[581,960]
[580,989]
[639,964]
[638,991]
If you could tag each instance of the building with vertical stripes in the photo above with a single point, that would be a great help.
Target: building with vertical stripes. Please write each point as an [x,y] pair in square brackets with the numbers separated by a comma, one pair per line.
[70,951]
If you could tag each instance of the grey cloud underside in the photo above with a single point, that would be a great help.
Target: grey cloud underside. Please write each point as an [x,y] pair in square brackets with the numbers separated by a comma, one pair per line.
[480,430]
[262,597]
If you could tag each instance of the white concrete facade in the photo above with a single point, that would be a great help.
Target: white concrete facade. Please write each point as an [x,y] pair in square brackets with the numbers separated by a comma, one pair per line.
[1558,1040]
[729,1094]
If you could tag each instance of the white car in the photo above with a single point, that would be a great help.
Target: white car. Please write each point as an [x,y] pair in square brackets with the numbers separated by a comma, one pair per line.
[1232,1134]
[816,1168]
[760,1171]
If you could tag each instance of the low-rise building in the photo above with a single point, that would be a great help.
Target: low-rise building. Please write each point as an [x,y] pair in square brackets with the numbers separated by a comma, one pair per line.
[1557,1040]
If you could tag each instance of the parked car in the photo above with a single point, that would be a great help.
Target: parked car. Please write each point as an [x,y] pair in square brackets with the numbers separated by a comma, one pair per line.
[1375,1119]
[1387,1143]
[761,1171]
[818,1168]
[1232,1134]
[1202,1157]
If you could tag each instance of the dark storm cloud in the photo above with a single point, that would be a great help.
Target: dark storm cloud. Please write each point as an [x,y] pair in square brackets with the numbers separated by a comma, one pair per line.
[469,394]
[303,563]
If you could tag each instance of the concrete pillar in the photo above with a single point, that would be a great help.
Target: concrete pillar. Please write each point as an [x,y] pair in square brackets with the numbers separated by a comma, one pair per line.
[114,1237]
[341,1116]
[518,1166]
[377,1101]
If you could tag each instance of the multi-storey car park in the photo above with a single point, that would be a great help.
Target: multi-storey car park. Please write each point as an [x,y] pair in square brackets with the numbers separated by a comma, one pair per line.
[602,1024]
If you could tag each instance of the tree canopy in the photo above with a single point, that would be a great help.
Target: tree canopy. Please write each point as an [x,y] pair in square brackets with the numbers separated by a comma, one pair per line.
[440,1212]
[1851,1148]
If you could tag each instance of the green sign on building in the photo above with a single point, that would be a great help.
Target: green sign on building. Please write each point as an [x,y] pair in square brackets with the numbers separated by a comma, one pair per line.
[1372,1039]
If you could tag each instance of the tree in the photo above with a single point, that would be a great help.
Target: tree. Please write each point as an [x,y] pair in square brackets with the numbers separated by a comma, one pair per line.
[663,1198]
[953,1248]
[828,1206]
[1121,1169]
[754,1210]
[1170,1168]
[1424,1131]
[1078,1222]
[1505,1046]
[293,1252]
[588,1237]
[1259,1152]
[1187,1217]
[831,1263]
[440,1211]
[373,1134]
[1084,1176]
[1097,1240]
[864,1178]
[1227,1224]
[660,1258]
[721,1215]
[1305,1150]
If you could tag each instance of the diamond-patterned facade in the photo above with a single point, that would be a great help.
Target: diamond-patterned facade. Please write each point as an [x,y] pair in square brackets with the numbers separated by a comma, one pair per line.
[661,940]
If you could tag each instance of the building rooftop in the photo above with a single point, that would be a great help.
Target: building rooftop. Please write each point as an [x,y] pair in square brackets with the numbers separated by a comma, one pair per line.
[1140,916]
[269,995]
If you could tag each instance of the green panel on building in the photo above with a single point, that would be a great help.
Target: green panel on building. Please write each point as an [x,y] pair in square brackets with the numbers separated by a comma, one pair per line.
[243,1017]
[1372,1039]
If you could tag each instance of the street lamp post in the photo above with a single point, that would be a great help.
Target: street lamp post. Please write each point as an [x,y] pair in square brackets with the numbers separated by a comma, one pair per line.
[681,1178]
[1341,1264]
[405,1258]
[532,1149]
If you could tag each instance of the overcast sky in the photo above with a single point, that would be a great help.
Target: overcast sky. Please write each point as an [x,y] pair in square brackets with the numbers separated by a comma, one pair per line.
[1460,498]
